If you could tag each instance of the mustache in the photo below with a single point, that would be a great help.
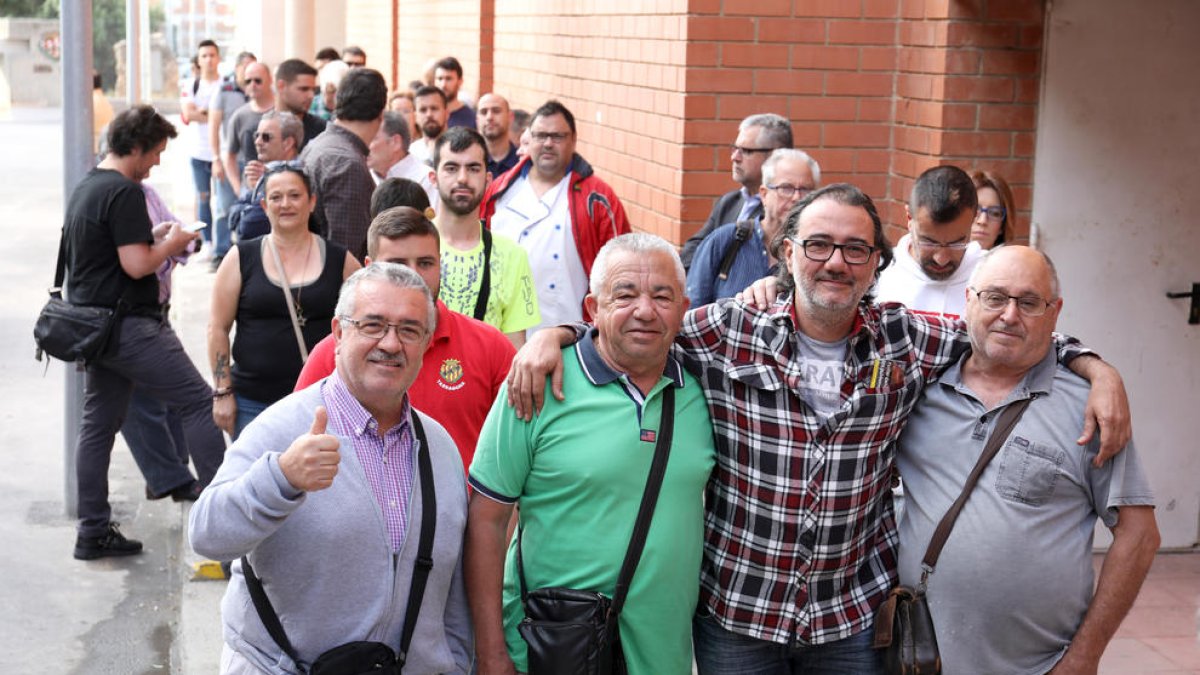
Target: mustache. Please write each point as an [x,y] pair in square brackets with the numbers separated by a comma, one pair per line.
[841,277]
[387,358]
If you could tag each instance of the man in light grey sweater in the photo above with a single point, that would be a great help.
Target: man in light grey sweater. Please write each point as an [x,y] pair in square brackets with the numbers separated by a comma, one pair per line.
[322,493]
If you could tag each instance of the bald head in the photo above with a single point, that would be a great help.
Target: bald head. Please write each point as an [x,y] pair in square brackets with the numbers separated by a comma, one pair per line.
[493,117]
[257,82]
[1012,308]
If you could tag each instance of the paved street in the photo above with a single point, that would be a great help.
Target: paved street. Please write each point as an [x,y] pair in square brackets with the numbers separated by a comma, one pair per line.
[142,615]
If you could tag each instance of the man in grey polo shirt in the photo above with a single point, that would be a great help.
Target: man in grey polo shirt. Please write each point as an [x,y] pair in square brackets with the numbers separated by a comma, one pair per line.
[1021,549]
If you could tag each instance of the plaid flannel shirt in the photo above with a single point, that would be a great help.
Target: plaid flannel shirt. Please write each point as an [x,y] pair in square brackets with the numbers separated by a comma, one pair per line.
[800,533]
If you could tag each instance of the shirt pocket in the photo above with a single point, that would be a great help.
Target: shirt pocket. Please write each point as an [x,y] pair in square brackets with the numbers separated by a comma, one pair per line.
[1029,471]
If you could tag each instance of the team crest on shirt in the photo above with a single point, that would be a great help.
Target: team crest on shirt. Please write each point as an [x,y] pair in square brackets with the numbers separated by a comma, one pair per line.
[450,375]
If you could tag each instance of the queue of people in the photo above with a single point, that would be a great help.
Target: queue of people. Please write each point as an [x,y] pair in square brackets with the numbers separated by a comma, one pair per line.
[363,322]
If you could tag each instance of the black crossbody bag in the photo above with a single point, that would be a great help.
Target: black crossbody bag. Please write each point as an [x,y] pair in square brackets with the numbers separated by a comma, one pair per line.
[364,657]
[904,627]
[74,333]
[575,631]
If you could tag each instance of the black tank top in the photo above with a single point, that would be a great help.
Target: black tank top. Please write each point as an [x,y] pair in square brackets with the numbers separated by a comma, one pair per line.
[266,359]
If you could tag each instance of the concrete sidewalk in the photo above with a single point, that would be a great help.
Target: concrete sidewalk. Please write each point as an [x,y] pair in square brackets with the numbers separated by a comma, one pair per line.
[144,614]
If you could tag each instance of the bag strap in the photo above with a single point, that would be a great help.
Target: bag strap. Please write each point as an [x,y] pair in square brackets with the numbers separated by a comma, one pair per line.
[287,298]
[740,235]
[421,569]
[485,283]
[641,527]
[424,562]
[1004,426]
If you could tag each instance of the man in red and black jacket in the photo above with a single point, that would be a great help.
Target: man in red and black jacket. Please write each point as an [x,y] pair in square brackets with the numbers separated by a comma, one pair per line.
[553,205]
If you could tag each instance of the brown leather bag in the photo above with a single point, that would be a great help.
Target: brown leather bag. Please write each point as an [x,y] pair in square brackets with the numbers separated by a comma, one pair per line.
[903,625]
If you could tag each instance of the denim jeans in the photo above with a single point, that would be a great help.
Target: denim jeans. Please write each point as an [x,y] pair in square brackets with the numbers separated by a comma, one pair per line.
[154,434]
[225,199]
[147,356]
[247,410]
[202,178]
[722,652]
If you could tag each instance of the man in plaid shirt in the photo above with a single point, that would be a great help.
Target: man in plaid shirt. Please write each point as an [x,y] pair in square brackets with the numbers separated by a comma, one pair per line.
[807,399]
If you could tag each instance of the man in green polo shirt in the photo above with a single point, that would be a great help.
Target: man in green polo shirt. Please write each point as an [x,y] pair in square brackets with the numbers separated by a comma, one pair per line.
[578,471]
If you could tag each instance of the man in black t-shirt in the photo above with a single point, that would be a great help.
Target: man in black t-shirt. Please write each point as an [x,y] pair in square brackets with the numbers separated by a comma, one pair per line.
[111,258]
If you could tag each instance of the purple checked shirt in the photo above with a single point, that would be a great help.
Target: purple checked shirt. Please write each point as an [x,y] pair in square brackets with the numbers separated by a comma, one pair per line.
[387,460]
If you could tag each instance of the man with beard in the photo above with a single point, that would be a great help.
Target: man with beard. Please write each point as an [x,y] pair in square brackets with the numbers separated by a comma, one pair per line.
[448,76]
[431,121]
[935,259]
[494,118]
[471,253]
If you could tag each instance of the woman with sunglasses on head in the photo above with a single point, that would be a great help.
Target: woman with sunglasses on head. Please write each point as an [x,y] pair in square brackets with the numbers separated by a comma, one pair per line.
[281,290]
[994,220]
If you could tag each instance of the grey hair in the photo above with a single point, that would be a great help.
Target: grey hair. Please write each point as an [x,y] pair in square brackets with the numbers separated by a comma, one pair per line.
[396,124]
[289,126]
[1055,288]
[768,167]
[634,242]
[776,129]
[400,276]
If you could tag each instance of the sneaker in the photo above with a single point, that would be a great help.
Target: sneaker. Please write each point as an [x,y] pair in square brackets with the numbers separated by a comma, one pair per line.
[111,543]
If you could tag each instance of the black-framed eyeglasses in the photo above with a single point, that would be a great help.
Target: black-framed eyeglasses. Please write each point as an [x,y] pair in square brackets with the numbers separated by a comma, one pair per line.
[266,136]
[821,250]
[372,329]
[255,80]
[553,137]
[738,149]
[787,190]
[996,213]
[1029,305]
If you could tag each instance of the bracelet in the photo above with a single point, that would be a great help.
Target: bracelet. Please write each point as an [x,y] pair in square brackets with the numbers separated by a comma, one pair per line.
[222,393]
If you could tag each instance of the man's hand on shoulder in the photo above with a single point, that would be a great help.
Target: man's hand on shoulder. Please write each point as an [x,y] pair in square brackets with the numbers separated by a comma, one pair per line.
[1107,408]
[760,294]
[540,356]
[311,462]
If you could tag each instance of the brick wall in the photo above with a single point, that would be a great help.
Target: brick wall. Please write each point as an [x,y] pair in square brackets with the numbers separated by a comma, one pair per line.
[369,24]
[877,90]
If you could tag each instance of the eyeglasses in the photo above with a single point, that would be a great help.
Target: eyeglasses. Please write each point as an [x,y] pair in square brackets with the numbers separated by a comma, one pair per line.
[371,329]
[265,135]
[787,190]
[543,136]
[820,250]
[356,64]
[930,245]
[1029,305]
[255,80]
[737,149]
[996,213]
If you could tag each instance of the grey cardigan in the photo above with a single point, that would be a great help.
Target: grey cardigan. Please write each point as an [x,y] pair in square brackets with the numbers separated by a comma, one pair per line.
[324,556]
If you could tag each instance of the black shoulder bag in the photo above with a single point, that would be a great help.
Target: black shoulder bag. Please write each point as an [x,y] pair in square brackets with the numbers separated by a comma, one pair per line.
[740,235]
[573,631]
[485,283]
[903,625]
[363,657]
[74,333]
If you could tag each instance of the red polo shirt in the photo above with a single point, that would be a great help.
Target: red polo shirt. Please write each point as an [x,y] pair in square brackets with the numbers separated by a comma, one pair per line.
[461,374]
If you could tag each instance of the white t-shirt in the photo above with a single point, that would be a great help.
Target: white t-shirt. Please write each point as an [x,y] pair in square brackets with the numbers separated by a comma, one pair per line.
[201,149]
[418,172]
[543,228]
[905,282]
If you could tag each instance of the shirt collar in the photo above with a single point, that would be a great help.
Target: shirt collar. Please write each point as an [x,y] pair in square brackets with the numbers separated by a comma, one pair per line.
[348,416]
[442,332]
[350,136]
[598,372]
[1039,379]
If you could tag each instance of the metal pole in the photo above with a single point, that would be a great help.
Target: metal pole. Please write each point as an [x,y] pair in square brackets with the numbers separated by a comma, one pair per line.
[133,53]
[144,52]
[78,159]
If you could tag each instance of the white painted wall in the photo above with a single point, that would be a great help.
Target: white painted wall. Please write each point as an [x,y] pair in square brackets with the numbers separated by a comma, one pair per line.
[1115,185]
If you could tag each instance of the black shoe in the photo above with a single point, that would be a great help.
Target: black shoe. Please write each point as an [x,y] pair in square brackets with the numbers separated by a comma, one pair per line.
[111,543]
[188,492]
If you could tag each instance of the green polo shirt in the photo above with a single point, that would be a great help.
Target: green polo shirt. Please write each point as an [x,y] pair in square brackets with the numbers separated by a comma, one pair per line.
[578,471]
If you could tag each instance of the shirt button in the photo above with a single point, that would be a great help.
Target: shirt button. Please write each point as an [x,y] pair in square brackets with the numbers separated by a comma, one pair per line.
[552,286]
[556,256]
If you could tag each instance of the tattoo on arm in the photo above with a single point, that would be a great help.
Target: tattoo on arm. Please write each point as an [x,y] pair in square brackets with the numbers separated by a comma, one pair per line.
[221,369]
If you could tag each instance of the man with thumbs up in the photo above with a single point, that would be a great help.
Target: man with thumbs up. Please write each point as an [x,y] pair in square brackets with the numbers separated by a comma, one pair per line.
[324,497]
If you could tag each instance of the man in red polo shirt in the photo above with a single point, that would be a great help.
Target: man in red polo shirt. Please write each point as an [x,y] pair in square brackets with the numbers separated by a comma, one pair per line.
[466,361]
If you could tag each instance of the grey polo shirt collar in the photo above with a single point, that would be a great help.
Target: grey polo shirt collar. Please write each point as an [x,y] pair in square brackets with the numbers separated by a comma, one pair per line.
[598,371]
[1039,380]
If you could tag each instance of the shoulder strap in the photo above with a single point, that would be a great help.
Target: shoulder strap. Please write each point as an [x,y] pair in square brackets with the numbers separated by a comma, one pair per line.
[1004,426]
[287,298]
[485,283]
[641,527]
[60,272]
[740,235]
[424,563]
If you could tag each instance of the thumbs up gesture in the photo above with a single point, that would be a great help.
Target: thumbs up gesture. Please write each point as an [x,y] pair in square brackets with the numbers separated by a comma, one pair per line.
[311,461]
